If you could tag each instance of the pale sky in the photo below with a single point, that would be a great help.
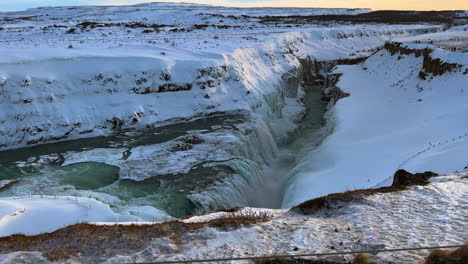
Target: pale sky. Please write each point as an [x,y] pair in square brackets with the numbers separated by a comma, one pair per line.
[6,5]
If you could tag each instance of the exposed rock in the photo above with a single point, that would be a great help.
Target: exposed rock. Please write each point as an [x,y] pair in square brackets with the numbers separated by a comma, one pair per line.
[181,146]
[117,123]
[172,87]
[192,139]
[5,184]
[432,66]
[404,178]
[437,66]
[395,47]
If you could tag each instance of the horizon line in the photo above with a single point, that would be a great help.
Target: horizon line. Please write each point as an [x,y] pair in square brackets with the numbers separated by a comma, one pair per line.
[250,6]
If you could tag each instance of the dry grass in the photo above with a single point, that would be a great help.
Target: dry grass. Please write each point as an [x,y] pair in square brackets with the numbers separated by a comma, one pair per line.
[401,181]
[439,256]
[230,210]
[362,259]
[358,259]
[295,261]
[237,218]
[253,215]
[92,243]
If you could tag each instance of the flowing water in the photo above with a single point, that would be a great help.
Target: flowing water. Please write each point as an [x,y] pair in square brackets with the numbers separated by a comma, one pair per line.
[41,169]
[305,138]
[252,175]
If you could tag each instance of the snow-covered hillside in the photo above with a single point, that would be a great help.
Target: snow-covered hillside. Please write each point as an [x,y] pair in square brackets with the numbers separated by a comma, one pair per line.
[407,109]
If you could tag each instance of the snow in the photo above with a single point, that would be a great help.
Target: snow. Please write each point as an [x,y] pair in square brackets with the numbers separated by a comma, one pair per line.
[381,221]
[34,215]
[171,12]
[392,120]
[53,93]
[81,90]
[455,37]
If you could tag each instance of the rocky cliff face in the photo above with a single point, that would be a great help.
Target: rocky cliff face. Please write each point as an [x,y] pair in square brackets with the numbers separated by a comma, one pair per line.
[431,66]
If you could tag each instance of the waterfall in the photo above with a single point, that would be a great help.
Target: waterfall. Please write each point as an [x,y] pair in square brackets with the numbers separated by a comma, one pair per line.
[258,139]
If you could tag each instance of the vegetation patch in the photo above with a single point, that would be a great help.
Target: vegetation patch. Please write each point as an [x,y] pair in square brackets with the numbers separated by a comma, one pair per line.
[93,243]
[295,261]
[457,256]
[358,259]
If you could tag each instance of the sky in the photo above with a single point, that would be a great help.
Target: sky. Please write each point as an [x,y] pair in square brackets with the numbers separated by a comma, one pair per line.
[11,5]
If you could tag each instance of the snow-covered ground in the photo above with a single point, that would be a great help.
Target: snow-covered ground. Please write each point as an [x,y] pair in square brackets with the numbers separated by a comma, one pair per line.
[82,72]
[454,39]
[419,216]
[381,221]
[19,213]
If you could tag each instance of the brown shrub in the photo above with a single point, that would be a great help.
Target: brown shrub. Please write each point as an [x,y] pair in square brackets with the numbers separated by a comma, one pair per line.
[362,259]
[457,256]
[240,218]
[436,254]
[461,253]
[295,261]
[259,216]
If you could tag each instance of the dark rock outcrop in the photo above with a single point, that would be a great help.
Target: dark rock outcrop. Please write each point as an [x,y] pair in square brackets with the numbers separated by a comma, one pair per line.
[430,65]
[404,178]
[401,181]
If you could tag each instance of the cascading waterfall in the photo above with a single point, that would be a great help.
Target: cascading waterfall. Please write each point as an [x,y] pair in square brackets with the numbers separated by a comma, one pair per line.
[257,148]
[266,161]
